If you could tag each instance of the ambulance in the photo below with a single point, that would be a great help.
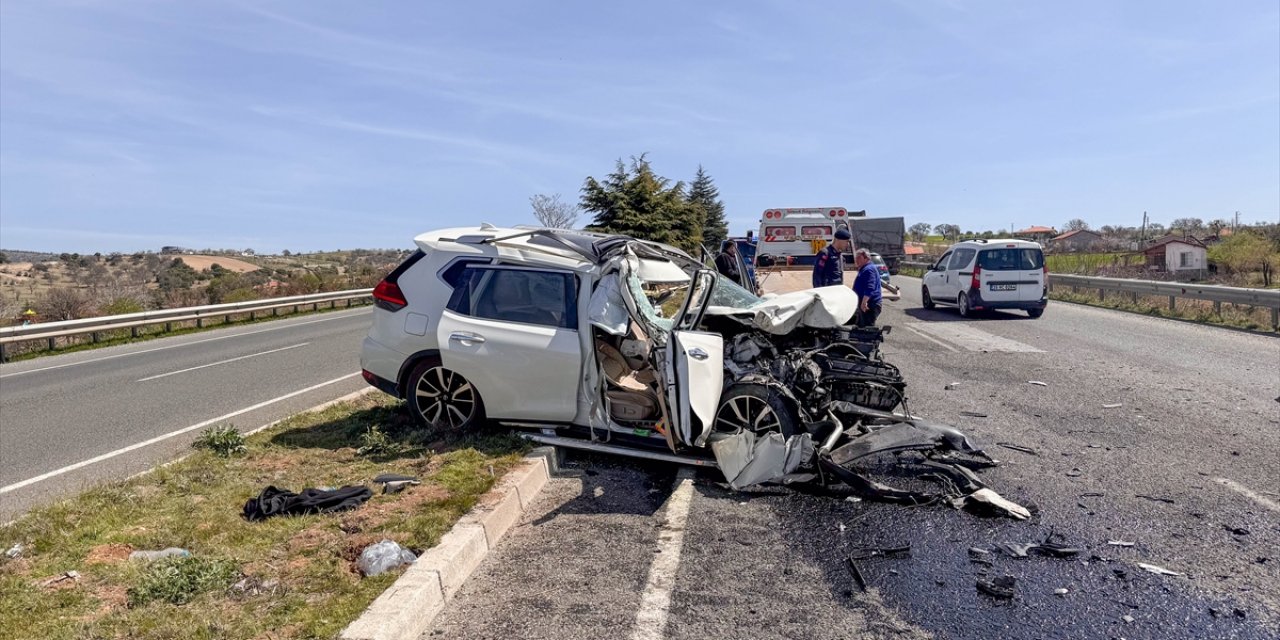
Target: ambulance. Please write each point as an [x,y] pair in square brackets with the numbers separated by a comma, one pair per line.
[796,235]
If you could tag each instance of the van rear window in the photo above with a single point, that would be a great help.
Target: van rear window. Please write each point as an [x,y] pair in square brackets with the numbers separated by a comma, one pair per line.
[1011,259]
[820,230]
[779,231]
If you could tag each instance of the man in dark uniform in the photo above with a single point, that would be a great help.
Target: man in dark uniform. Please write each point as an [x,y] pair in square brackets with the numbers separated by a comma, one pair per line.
[828,266]
[727,261]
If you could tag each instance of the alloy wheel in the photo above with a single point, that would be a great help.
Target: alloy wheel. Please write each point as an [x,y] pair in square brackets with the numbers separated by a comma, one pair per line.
[747,413]
[445,398]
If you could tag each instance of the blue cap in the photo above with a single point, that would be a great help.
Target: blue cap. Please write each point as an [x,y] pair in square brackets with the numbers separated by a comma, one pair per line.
[843,234]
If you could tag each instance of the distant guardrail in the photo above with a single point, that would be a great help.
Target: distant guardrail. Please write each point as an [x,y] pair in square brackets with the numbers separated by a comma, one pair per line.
[133,321]
[1217,294]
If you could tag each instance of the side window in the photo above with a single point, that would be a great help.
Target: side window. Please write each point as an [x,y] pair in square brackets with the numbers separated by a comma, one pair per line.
[942,262]
[452,273]
[961,259]
[516,295]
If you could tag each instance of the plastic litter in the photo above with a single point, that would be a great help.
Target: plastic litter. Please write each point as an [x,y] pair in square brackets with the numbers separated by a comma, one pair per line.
[62,577]
[383,556]
[1001,588]
[156,555]
[1157,570]
[15,551]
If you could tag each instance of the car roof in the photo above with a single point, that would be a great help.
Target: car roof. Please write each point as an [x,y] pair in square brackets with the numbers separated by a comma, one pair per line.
[568,248]
[995,243]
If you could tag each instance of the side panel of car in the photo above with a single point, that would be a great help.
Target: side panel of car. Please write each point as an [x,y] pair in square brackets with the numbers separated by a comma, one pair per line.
[513,333]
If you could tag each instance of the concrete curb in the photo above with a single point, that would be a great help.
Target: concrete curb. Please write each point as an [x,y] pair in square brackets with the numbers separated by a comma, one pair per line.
[408,607]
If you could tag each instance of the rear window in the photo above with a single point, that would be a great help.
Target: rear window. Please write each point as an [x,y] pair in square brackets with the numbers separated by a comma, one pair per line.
[779,231]
[822,231]
[1010,259]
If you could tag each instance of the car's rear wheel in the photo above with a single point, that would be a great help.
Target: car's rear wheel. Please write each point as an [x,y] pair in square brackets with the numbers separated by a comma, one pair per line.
[963,303]
[926,299]
[441,398]
[1035,313]
[757,408]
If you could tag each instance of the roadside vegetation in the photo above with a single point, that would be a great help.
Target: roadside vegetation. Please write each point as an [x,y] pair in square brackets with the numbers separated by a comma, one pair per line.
[284,577]
[1227,315]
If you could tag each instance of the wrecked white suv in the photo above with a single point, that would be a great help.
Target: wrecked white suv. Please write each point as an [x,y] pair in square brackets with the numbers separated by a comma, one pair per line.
[609,343]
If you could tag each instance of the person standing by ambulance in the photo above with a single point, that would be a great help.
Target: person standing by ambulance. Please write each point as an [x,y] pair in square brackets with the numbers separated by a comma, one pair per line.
[828,265]
[867,286]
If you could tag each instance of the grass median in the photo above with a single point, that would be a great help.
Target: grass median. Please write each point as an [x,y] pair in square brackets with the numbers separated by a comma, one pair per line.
[284,577]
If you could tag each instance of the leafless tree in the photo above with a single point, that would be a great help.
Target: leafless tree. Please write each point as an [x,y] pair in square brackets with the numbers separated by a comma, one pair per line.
[1076,224]
[554,213]
[64,304]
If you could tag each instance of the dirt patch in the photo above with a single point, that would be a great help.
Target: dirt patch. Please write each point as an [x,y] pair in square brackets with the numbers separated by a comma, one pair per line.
[378,511]
[204,263]
[314,538]
[109,553]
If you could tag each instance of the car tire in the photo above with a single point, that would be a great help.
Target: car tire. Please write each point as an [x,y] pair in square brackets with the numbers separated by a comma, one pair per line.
[757,408]
[925,299]
[963,303]
[1035,313]
[440,398]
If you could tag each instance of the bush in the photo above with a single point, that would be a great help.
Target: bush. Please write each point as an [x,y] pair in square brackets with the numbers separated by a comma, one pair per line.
[179,580]
[221,441]
[374,442]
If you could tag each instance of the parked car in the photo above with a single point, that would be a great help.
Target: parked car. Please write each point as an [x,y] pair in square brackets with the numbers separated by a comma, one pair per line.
[877,260]
[978,275]
[613,344]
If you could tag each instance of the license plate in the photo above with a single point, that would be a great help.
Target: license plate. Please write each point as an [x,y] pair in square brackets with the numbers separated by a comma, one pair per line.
[1003,287]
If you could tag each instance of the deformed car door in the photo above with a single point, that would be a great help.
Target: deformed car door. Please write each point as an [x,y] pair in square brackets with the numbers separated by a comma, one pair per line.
[694,367]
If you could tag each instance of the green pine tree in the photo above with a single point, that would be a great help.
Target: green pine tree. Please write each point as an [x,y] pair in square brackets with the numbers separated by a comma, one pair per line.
[635,201]
[704,195]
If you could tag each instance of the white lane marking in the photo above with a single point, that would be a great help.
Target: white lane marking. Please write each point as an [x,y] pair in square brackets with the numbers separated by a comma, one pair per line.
[1248,493]
[931,338]
[185,344]
[651,619]
[112,454]
[971,338]
[214,364]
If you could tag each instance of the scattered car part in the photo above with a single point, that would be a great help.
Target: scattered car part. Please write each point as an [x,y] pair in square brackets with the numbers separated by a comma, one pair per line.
[988,501]
[1037,383]
[1120,543]
[1001,588]
[394,482]
[1015,447]
[856,573]
[1158,570]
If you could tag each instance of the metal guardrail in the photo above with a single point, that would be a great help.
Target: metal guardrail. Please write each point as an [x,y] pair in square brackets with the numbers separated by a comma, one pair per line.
[63,328]
[1217,294]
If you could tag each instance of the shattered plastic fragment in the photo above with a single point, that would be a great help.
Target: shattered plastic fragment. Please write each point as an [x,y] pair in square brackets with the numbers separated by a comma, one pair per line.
[1128,619]
[1112,406]
[951,386]
[1001,588]
[1060,592]
[992,501]
[1037,383]
[1120,543]
[973,414]
[1009,445]
[1157,570]
[857,574]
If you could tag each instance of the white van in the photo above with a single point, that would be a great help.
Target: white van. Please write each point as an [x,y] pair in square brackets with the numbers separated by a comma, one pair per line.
[977,275]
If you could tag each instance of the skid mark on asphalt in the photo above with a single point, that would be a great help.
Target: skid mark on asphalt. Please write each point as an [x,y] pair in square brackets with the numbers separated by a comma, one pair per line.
[1248,493]
[651,619]
[970,338]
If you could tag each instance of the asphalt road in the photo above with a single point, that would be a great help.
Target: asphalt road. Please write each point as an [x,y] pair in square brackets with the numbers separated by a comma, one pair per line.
[71,420]
[1155,432]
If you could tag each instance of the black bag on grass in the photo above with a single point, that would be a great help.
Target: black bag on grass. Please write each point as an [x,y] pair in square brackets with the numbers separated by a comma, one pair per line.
[277,502]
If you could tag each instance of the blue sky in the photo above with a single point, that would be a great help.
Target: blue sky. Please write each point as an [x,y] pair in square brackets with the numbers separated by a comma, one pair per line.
[128,125]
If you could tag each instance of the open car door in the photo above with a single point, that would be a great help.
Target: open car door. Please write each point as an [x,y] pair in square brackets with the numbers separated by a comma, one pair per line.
[693,371]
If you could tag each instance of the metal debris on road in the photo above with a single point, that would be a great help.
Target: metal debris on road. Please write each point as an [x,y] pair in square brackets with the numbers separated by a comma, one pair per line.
[1157,570]
[1060,592]
[951,386]
[1128,619]
[883,552]
[986,500]
[857,574]
[1075,472]
[1037,383]
[1112,406]
[1155,498]
[973,414]
[1001,588]
[1120,543]
[1015,447]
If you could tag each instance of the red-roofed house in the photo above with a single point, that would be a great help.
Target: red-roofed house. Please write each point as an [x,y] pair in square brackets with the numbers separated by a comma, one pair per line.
[1037,234]
[1176,253]
[1078,240]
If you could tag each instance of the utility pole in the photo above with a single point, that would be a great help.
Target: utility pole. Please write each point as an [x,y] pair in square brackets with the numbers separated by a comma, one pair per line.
[1142,238]
[1236,225]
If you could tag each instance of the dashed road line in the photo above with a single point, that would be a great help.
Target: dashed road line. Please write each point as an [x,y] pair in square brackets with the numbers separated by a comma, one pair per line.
[655,604]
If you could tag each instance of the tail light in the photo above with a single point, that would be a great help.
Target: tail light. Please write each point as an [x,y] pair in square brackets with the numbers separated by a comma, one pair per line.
[976,283]
[387,295]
